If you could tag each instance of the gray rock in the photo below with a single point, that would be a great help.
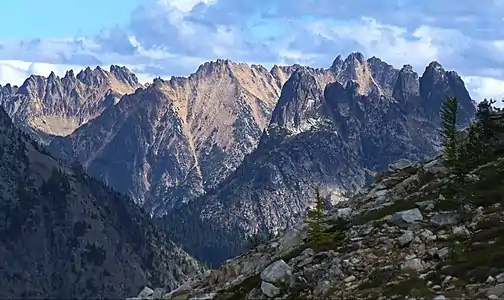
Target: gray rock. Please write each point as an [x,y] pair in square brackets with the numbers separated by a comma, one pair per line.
[400,164]
[406,218]
[461,231]
[180,292]
[277,272]
[497,290]
[255,294]
[158,293]
[344,213]
[292,238]
[426,205]
[427,235]
[443,253]
[406,238]
[439,297]
[500,278]
[445,219]
[322,287]
[269,289]
[335,271]
[145,293]
[413,264]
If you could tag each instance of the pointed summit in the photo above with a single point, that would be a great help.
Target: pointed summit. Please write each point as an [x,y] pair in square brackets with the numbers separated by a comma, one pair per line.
[300,99]
[358,56]
[407,87]
[436,85]
[57,106]
[69,74]
[124,74]
[435,65]
[356,68]
[337,64]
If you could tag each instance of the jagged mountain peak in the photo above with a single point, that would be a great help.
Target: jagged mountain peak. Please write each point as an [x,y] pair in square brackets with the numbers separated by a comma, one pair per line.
[69,75]
[435,65]
[375,60]
[124,74]
[209,67]
[407,87]
[407,68]
[191,131]
[436,84]
[298,107]
[52,105]
[356,68]
[356,56]
[337,62]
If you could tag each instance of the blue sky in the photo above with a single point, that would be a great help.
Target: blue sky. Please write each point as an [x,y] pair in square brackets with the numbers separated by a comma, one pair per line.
[172,37]
[62,18]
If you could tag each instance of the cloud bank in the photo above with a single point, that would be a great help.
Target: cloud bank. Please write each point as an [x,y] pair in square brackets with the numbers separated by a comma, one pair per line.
[172,37]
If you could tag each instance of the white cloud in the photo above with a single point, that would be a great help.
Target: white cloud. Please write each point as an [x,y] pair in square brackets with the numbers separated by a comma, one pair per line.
[172,37]
[485,87]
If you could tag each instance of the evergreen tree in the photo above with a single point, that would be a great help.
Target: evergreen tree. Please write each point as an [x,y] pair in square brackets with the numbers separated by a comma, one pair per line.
[449,132]
[315,221]
[484,118]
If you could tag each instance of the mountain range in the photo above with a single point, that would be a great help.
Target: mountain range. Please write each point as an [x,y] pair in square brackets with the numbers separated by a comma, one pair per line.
[235,149]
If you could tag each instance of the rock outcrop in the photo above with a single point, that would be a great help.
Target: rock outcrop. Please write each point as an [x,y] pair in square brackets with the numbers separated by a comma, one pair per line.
[64,235]
[404,236]
[54,106]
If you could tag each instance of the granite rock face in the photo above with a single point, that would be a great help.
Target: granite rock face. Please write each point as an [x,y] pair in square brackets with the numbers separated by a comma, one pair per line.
[179,137]
[65,235]
[323,132]
[54,106]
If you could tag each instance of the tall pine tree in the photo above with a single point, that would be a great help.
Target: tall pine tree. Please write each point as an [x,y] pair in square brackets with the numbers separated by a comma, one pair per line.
[449,132]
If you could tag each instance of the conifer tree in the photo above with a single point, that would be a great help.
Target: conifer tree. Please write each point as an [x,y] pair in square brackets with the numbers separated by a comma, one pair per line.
[315,221]
[449,132]
[484,118]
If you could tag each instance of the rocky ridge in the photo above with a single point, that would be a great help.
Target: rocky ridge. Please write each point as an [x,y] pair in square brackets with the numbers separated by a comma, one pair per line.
[54,106]
[180,136]
[402,237]
[64,235]
[322,133]
[199,129]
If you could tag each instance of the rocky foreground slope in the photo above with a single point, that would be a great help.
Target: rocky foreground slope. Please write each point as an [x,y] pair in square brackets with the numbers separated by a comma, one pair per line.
[403,236]
[64,235]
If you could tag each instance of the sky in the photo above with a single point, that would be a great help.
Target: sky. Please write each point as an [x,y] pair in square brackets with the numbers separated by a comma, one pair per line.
[172,37]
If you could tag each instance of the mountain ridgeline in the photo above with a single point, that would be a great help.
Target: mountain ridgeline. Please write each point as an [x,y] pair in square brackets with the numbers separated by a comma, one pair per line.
[54,106]
[323,132]
[235,149]
[64,235]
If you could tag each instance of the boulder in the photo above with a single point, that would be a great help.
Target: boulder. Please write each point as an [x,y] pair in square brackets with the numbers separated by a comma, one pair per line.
[405,219]
[269,289]
[277,272]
